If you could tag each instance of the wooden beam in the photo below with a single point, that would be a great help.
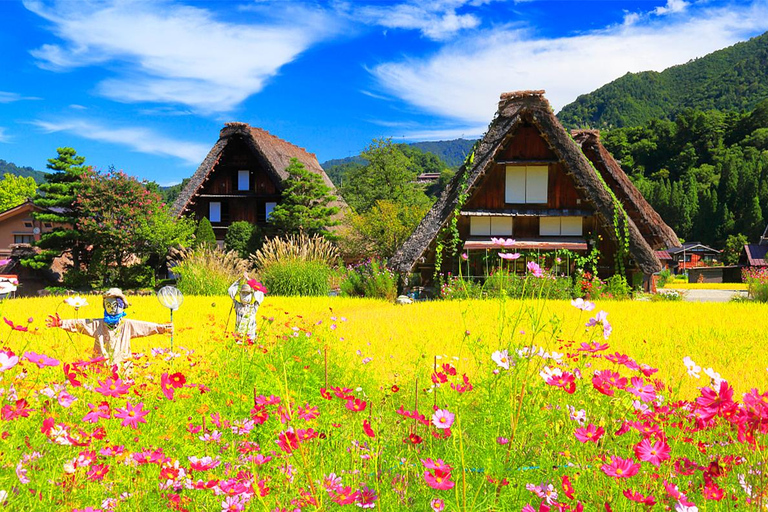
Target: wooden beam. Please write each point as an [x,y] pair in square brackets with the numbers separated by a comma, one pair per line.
[527,162]
[528,212]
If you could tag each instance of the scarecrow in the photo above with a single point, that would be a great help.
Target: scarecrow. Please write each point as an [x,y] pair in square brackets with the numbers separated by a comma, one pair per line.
[247,295]
[111,334]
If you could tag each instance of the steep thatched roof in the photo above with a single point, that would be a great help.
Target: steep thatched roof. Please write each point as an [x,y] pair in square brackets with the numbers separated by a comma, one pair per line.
[515,109]
[764,238]
[655,231]
[276,154]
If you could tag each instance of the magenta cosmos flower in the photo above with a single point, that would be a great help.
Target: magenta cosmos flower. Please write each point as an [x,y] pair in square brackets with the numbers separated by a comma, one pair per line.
[41,360]
[437,505]
[440,480]
[655,452]
[113,388]
[131,415]
[535,269]
[621,468]
[443,418]
[591,433]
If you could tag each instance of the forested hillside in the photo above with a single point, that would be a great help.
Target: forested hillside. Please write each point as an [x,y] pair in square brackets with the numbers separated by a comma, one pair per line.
[734,78]
[10,168]
[706,173]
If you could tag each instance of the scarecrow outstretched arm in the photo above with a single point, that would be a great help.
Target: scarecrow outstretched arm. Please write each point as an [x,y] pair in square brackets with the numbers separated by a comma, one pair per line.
[139,329]
[81,325]
[234,290]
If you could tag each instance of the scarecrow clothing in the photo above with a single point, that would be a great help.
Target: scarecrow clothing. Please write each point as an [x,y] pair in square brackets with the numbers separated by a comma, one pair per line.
[245,309]
[114,344]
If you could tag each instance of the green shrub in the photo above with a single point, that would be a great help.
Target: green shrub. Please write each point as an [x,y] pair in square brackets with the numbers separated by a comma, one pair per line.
[668,296]
[456,287]
[238,238]
[207,271]
[370,279]
[616,287]
[204,235]
[297,277]
[527,286]
[664,277]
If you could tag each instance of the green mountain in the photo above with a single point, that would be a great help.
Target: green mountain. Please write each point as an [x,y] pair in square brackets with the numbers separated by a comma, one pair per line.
[734,78]
[10,168]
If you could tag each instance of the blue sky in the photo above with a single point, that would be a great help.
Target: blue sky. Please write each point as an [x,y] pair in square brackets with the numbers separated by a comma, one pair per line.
[147,85]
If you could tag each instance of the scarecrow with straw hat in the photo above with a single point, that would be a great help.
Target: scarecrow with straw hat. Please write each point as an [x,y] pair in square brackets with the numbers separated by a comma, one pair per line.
[112,334]
[247,295]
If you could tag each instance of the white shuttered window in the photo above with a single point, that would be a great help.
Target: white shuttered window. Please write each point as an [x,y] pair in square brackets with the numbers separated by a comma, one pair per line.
[560,226]
[490,226]
[526,184]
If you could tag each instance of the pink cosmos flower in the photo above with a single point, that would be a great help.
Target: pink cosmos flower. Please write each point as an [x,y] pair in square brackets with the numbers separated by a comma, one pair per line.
[590,433]
[443,418]
[509,255]
[592,347]
[565,380]
[98,472]
[655,452]
[356,405]
[436,464]
[437,505]
[202,464]
[644,392]
[65,399]
[345,496]
[621,468]
[308,412]
[535,269]
[110,387]
[14,326]
[582,304]
[8,360]
[99,411]
[440,480]
[367,429]
[639,498]
[367,498]
[601,319]
[503,242]
[232,504]
[131,415]
[166,386]
[41,360]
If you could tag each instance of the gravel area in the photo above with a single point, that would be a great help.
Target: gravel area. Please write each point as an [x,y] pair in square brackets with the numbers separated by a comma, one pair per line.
[712,295]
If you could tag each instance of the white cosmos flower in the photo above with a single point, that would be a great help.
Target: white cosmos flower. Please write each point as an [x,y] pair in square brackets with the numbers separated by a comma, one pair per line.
[716,378]
[76,302]
[693,368]
[501,358]
[547,373]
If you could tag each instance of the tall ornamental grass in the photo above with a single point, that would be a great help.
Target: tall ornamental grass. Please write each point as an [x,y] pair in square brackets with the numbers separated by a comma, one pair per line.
[207,270]
[295,247]
[297,277]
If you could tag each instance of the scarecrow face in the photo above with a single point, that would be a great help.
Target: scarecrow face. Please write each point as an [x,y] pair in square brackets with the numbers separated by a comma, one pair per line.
[246,294]
[114,305]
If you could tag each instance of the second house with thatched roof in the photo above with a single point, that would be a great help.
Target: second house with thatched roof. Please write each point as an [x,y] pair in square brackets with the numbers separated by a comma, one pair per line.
[242,178]
[530,180]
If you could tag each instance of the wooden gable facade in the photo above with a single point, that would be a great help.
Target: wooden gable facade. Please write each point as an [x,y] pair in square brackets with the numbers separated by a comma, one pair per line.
[241,178]
[529,181]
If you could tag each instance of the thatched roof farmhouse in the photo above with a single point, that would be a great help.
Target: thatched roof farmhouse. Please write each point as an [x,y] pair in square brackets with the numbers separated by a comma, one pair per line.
[531,181]
[242,178]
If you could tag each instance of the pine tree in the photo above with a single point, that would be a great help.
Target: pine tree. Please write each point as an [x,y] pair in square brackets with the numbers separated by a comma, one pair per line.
[754,219]
[58,198]
[304,207]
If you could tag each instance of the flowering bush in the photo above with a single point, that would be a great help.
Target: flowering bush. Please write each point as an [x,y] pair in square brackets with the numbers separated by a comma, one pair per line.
[757,282]
[370,279]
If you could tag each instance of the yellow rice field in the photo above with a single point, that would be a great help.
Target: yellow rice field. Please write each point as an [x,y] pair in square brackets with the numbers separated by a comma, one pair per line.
[403,341]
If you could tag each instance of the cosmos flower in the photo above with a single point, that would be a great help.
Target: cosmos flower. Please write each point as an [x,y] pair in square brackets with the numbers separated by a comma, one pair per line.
[8,360]
[443,418]
[693,368]
[440,480]
[501,358]
[76,302]
[601,319]
[655,452]
[621,468]
[582,304]
[112,387]
[509,256]
[535,269]
[131,415]
[41,360]
[590,433]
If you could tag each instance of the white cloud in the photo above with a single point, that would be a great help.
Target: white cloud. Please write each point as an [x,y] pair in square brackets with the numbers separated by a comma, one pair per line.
[170,53]
[3,136]
[673,6]
[437,20]
[10,97]
[463,80]
[138,139]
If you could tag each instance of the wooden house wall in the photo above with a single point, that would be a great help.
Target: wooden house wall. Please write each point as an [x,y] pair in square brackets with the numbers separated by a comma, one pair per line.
[236,205]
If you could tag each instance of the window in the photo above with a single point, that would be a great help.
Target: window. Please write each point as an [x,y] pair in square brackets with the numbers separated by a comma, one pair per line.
[23,239]
[214,212]
[28,224]
[526,184]
[268,207]
[490,226]
[560,226]
[243,180]
[47,224]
